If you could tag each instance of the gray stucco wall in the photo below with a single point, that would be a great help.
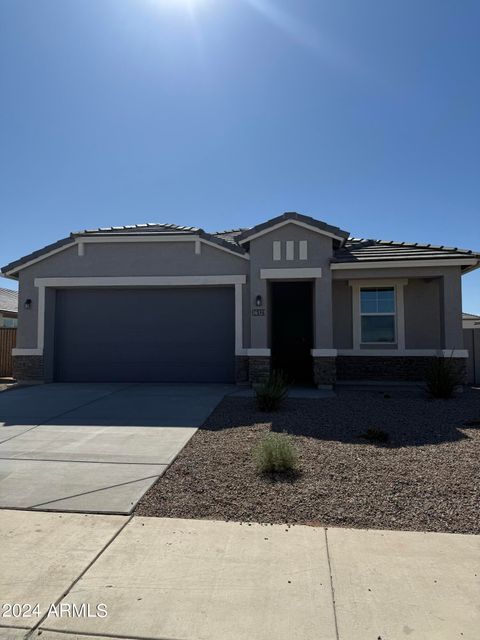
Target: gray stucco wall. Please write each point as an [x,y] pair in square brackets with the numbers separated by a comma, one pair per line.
[124,259]
[422,314]
[342,315]
[433,305]
[320,251]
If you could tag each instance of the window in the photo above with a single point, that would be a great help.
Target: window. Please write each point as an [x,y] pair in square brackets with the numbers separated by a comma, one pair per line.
[8,323]
[377,315]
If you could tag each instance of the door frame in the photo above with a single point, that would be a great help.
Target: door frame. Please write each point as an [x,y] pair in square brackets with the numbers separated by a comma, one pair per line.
[291,281]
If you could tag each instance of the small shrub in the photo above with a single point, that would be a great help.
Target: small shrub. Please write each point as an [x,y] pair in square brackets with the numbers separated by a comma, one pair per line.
[270,395]
[442,378]
[275,454]
[375,435]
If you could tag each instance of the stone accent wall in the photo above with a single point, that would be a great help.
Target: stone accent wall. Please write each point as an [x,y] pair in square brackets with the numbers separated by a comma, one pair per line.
[324,371]
[28,368]
[395,368]
[241,369]
[259,369]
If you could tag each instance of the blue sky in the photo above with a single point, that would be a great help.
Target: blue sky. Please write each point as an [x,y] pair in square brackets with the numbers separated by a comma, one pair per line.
[223,113]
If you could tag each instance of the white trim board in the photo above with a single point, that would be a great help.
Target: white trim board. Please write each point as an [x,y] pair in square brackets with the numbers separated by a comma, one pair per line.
[439,353]
[256,352]
[138,281]
[385,264]
[27,352]
[299,223]
[39,258]
[324,353]
[159,238]
[81,241]
[290,274]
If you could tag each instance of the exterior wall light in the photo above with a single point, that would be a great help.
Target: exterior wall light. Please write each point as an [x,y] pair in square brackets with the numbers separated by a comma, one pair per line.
[28,303]
[258,301]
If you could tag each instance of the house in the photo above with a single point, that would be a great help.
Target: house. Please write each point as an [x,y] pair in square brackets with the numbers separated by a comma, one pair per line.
[160,302]
[8,308]
[471,341]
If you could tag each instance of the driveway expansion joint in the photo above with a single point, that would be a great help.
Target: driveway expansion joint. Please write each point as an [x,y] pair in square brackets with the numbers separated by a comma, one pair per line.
[84,493]
[80,406]
[81,574]
[332,588]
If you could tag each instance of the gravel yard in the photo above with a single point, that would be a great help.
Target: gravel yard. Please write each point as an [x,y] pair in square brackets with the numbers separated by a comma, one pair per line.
[425,478]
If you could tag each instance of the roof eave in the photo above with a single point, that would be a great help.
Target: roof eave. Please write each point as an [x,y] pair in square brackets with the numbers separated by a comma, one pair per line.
[12,269]
[469,263]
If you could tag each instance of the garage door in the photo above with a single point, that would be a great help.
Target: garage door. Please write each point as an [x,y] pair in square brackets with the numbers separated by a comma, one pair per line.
[145,335]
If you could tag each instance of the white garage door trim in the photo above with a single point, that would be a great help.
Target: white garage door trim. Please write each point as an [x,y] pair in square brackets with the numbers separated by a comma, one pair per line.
[136,281]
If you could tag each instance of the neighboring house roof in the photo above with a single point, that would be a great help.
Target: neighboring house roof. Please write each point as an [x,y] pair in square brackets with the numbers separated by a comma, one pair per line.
[470,321]
[8,300]
[347,250]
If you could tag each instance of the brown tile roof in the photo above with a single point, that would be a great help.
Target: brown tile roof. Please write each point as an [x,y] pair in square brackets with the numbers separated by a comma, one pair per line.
[363,250]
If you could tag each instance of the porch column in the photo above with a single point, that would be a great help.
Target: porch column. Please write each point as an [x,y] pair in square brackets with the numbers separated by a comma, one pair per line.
[323,318]
[323,353]
[451,309]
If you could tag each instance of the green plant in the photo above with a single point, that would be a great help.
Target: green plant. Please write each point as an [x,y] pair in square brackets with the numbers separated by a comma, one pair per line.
[275,454]
[442,378]
[375,435]
[271,394]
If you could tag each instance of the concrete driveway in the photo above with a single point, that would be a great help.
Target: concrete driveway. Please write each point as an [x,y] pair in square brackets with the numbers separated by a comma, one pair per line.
[203,580]
[94,447]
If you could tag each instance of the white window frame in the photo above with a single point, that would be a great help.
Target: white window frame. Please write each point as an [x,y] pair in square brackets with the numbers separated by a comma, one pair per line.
[397,285]
[392,314]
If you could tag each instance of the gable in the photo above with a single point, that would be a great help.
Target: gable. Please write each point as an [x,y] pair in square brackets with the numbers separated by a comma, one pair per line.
[316,226]
[291,245]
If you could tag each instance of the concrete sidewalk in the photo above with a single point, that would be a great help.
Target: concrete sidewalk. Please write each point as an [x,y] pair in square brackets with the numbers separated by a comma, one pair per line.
[205,580]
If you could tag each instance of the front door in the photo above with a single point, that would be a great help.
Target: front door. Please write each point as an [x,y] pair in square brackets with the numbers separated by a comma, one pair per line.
[292,329]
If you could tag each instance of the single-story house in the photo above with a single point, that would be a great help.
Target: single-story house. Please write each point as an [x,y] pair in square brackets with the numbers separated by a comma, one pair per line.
[471,342]
[8,308]
[160,302]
